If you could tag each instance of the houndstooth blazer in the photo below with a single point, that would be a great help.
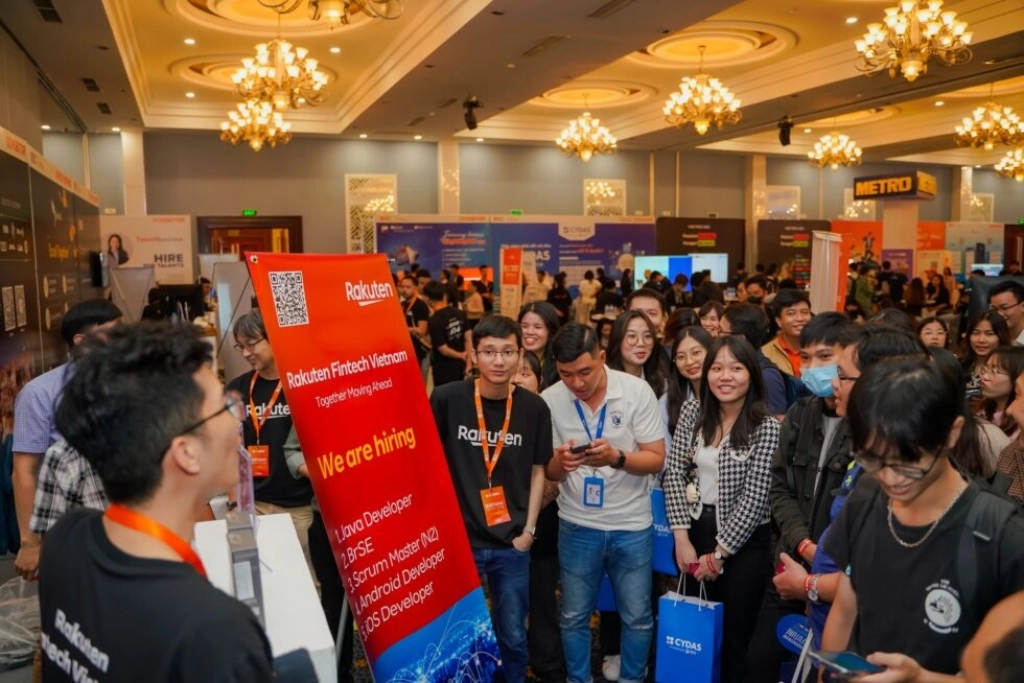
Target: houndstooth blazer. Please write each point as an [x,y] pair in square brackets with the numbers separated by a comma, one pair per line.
[744,479]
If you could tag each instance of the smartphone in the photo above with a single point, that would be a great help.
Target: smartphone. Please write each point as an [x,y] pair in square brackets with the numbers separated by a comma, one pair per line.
[845,663]
[578,449]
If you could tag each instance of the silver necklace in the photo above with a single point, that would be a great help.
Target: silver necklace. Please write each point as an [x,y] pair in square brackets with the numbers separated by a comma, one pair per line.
[959,491]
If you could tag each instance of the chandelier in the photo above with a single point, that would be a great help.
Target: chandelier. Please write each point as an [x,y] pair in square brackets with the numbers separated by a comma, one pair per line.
[600,189]
[586,137]
[281,75]
[990,125]
[835,150]
[337,12]
[702,100]
[1012,165]
[256,123]
[913,34]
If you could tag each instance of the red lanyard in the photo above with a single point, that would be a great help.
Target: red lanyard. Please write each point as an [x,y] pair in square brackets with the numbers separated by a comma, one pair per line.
[133,520]
[257,424]
[489,462]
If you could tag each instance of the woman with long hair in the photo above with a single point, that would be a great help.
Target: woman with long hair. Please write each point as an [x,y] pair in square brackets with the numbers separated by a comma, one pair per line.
[939,299]
[116,255]
[676,322]
[998,378]
[689,348]
[538,322]
[710,315]
[626,284]
[716,492]
[984,335]
[561,299]
[633,348]
[933,332]
[604,331]
[914,297]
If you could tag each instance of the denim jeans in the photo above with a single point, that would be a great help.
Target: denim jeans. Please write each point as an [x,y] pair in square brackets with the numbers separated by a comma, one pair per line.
[507,572]
[626,556]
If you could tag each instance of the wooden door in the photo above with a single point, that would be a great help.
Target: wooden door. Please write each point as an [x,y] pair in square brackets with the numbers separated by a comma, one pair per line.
[239,234]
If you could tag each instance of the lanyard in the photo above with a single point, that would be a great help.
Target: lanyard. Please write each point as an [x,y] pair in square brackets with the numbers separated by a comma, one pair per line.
[257,424]
[139,522]
[489,462]
[408,304]
[600,420]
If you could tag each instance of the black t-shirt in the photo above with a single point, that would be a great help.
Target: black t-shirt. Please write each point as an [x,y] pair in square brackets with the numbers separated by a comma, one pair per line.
[562,301]
[910,600]
[119,618]
[415,313]
[280,488]
[447,326]
[608,297]
[527,443]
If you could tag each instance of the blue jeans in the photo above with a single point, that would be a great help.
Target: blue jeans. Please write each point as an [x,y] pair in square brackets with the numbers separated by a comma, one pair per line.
[585,554]
[507,572]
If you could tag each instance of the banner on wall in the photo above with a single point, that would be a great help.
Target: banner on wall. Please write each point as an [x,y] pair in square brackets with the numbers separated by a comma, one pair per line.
[701,236]
[788,245]
[382,482]
[588,242]
[973,243]
[931,261]
[863,239]
[164,242]
[434,242]
[901,260]
[931,235]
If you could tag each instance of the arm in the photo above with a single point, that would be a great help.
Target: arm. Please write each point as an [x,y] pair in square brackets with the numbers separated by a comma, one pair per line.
[50,502]
[676,473]
[752,505]
[783,501]
[525,539]
[841,617]
[293,455]
[26,469]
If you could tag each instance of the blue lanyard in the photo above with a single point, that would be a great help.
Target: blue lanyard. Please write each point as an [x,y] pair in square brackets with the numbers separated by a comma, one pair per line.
[600,420]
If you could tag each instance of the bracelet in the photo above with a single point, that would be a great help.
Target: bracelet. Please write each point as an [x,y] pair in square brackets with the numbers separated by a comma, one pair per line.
[803,546]
[807,583]
[711,565]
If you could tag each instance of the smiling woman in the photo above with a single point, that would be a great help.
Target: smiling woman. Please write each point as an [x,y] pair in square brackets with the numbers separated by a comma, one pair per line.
[633,347]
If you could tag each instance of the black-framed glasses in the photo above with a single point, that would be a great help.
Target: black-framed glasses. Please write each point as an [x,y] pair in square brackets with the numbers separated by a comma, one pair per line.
[250,346]
[233,404]
[873,464]
[846,378]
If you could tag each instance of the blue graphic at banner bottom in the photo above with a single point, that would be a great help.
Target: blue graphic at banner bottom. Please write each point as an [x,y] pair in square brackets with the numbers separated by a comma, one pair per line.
[434,246]
[457,647]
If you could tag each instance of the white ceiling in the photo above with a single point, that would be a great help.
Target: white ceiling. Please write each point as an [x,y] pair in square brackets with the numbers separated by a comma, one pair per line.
[397,79]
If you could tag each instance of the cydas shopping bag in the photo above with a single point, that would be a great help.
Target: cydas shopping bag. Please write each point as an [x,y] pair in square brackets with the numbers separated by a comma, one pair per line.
[664,541]
[689,643]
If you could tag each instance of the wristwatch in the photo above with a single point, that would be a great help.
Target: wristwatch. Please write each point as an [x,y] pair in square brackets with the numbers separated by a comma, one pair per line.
[719,556]
[621,462]
[812,588]
[532,530]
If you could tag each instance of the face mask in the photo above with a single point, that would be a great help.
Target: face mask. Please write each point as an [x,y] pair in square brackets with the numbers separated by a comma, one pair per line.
[756,300]
[819,380]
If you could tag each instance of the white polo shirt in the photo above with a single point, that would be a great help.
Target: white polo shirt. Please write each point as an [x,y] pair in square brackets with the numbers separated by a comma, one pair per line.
[632,418]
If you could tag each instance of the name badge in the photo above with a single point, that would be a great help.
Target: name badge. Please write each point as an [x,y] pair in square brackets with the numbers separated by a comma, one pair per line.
[495,508]
[260,460]
[593,492]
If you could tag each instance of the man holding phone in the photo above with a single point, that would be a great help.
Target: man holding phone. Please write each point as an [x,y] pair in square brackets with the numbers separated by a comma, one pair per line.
[608,439]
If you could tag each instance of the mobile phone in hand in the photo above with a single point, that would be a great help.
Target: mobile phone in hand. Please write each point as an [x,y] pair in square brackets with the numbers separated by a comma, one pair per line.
[845,663]
[580,448]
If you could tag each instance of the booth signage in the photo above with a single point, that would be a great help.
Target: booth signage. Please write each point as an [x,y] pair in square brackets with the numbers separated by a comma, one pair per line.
[913,185]
[379,472]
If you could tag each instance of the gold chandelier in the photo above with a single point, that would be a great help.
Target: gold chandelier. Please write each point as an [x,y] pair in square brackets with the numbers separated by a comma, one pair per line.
[702,100]
[257,123]
[835,150]
[586,137]
[911,35]
[1012,165]
[281,75]
[336,12]
[990,125]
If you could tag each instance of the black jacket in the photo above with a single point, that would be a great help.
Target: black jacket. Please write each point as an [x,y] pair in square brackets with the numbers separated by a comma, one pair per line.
[798,510]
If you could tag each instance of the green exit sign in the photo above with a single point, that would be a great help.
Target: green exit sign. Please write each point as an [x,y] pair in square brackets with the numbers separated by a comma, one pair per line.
[248,212]
[516,212]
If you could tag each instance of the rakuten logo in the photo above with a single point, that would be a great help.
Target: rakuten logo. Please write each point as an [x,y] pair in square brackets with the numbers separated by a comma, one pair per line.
[369,293]
[687,646]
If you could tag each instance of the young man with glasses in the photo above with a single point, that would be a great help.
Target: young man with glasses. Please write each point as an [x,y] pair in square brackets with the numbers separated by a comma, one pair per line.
[267,425]
[926,552]
[1007,298]
[123,596]
[497,441]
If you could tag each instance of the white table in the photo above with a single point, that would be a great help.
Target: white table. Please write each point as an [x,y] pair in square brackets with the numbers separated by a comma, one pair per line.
[295,619]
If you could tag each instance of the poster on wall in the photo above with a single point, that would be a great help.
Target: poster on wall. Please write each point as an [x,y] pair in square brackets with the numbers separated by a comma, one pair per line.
[931,235]
[434,242]
[701,235]
[900,260]
[973,243]
[383,483]
[931,261]
[788,245]
[539,238]
[164,242]
[587,244]
[863,239]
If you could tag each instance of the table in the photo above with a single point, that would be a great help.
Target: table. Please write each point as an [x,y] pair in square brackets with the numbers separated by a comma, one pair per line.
[294,617]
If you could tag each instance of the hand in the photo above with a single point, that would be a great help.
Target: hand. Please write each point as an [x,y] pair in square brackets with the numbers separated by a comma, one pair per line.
[898,669]
[600,454]
[569,461]
[705,574]
[686,555]
[523,542]
[809,550]
[27,561]
[790,583]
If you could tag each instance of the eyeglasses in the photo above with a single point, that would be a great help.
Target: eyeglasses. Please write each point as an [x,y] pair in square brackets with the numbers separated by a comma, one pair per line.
[1005,307]
[490,354]
[872,464]
[233,404]
[250,347]
[846,378]
[695,356]
[990,371]
[634,339]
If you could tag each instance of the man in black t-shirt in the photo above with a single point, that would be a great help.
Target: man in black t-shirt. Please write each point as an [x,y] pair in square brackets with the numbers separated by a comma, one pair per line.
[920,575]
[417,313]
[268,422]
[497,442]
[449,331]
[485,285]
[123,597]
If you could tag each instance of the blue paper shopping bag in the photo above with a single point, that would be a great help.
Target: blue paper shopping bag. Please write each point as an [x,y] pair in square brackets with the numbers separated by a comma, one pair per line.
[689,642]
[664,541]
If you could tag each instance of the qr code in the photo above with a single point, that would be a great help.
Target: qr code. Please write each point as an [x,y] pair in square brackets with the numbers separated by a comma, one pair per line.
[289,298]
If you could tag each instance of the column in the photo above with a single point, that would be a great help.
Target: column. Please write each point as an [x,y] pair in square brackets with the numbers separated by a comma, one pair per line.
[448,178]
[962,191]
[134,173]
[755,205]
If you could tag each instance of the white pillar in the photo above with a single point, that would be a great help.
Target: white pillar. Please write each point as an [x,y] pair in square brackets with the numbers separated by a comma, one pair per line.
[448,178]
[755,205]
[134,173]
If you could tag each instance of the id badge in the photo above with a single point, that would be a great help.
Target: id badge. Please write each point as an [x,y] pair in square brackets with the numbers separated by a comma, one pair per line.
[593,492]
[260,460]
[495,508]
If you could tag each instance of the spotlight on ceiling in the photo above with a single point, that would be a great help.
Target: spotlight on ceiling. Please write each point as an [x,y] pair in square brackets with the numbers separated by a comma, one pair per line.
[785,127]
[469,107]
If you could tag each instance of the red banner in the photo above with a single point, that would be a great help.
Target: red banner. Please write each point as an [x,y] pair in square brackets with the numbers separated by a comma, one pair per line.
[379,473]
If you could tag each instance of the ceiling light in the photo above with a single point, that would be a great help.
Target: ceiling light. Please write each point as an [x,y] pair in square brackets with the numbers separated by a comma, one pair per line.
[417,137]
[362,136]
[851,20]
[807,130]
[479,139]
[1012,165]
[334,50]
[46,126]
[910,36]
[282,75]
[115,129]
[977,166]
[835,150]
[990,125]
[190,41]
[190,95]
[256,123]
[586,137]
[703,101]
[336,12]
[939,103]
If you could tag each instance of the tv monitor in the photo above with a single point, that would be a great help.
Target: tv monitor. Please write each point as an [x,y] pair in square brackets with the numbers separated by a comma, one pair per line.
[718,264]
[980,289]
[669,266]
[990,269]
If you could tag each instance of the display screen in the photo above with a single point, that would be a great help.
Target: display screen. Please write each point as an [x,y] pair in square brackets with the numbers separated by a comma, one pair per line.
[669,266]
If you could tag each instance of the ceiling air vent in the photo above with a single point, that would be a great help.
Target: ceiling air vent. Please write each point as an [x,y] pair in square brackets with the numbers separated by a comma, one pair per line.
[47,11]
[91,85]
[416,121]
[104,108]
[610,8]
[447,103]
[543,45]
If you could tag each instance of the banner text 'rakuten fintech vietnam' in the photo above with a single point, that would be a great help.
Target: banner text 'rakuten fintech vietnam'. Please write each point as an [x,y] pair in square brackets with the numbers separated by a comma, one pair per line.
[371,446]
